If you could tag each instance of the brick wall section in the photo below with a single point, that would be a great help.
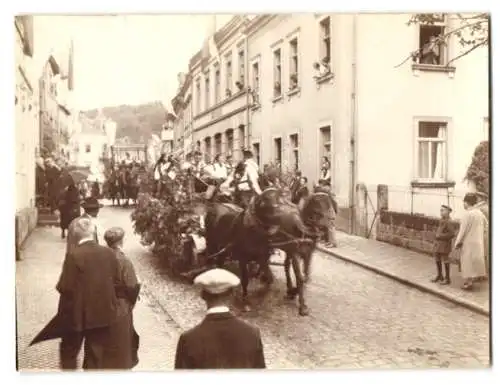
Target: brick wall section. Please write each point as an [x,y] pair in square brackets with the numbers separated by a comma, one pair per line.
[414,232]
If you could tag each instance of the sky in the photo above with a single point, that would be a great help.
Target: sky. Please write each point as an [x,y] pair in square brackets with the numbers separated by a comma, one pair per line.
[126,59]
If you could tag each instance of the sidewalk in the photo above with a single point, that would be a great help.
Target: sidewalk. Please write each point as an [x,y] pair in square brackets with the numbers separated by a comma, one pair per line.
[408,267]
[36,277]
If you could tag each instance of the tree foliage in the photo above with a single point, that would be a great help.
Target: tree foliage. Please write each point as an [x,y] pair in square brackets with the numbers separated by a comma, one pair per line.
[471,31]
[136,122]
[479,168]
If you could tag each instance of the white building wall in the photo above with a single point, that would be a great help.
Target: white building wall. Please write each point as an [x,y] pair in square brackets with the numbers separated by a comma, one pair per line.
[26,129]
[391,99]
[317,105]
[92,158]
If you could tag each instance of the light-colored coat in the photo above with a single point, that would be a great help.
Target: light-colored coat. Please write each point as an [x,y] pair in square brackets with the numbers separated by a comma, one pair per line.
[471,236]
[485,209]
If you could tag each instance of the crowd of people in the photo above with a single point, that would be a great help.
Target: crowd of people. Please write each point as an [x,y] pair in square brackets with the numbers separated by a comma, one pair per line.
[242,181]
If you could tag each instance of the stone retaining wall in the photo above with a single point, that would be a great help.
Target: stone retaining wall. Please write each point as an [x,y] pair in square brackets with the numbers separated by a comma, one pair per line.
[411,231]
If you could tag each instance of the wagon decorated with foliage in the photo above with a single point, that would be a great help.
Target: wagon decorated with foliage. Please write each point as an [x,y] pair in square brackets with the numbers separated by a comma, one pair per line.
[192,234]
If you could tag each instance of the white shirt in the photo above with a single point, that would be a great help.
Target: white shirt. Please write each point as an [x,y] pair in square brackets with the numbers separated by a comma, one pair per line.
[218,309]
[218,170]
[252,175]
[88,239]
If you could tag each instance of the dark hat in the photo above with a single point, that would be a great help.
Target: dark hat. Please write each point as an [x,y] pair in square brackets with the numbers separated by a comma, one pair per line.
[247,153]
[113,235]
[91,204]
[447,208]
[470,199]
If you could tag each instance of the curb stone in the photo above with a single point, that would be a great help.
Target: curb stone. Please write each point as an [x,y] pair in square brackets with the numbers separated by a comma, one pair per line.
[446,296]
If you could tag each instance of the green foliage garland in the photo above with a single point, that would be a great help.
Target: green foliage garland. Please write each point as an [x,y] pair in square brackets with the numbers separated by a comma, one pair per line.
[162,220]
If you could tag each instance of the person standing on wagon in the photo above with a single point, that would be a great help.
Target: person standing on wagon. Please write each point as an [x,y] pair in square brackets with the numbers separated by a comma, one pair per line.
[442,246]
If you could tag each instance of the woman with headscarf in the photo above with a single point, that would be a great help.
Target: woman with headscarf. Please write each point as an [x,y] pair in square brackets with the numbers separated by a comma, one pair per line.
[69,207]
[470,242]
[123,344]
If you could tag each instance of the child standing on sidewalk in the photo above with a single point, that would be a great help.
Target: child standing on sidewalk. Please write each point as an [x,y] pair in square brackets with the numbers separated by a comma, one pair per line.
[443,247]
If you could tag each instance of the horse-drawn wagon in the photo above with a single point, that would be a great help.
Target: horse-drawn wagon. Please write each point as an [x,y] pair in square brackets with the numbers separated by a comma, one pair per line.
[179,221]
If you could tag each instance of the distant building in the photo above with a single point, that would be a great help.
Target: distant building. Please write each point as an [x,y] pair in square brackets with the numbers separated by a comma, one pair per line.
[124,149]
[92,141]
[55,89]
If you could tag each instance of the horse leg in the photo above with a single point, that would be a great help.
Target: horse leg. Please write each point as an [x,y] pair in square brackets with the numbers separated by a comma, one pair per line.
[303,310]
[307,265]
[244,284]
[291,291]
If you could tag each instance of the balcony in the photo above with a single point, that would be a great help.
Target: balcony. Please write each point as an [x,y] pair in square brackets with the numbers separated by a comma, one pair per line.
[222,110]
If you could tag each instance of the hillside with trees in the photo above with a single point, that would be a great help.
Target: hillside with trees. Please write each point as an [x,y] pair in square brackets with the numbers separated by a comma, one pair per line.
[136,122]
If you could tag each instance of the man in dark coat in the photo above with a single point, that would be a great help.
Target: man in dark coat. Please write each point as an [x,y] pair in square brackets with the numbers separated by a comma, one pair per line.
[221,340]
[87,304]
[52,174]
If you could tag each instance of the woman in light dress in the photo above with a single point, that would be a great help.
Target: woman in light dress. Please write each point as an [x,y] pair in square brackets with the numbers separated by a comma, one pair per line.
[470,242]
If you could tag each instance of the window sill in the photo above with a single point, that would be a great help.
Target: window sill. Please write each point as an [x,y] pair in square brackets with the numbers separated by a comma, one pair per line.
[433,68]
[293,91]
[255,107]
[432,184]
[325,78]
[277,99]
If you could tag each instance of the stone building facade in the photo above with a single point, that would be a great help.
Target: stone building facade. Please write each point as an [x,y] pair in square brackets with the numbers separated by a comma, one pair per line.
[27,138]
[315,85]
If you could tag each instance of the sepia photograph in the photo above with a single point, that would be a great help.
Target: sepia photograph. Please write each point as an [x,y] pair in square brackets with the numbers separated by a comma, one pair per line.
[305,191]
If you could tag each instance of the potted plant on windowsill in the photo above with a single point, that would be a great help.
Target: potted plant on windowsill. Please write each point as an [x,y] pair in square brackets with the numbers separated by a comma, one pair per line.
[294,81]
[277,88]
[322,68]
[240,85]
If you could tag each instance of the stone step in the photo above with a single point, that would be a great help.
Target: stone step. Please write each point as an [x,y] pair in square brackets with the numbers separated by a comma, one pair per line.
[46,223]
[48,218]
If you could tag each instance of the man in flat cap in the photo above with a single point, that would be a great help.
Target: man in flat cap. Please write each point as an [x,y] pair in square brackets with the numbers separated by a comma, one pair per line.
[442,246]
[221,340]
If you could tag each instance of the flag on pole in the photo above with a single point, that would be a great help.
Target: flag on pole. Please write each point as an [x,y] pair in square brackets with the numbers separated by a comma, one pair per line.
[70,67]
[209,47]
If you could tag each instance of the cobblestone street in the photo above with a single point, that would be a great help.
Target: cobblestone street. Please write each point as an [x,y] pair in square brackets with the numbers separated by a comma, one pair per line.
[358,319]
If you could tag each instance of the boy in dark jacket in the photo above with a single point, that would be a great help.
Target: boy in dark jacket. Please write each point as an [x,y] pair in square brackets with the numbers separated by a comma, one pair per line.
[443,246]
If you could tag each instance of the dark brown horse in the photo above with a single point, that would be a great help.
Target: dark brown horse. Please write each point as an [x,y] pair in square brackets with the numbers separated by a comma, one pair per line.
[248,235]
[297,236]
[242,235]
